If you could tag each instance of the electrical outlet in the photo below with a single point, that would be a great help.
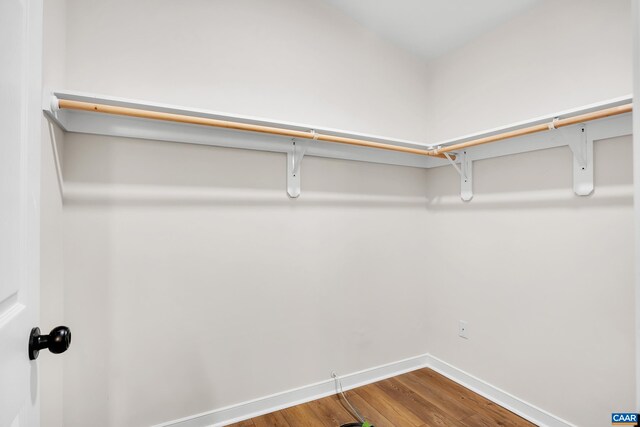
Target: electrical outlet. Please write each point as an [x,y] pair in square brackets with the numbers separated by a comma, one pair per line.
[463,329]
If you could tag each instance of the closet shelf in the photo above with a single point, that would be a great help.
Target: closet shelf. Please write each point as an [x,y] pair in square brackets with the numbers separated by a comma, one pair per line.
[103,115]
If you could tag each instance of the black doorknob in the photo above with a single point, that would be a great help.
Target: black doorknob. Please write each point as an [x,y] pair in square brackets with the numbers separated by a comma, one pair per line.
[58,341]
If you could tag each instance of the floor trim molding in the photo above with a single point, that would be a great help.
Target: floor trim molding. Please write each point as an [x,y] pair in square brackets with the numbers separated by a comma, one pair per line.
[516,405]
[253,408]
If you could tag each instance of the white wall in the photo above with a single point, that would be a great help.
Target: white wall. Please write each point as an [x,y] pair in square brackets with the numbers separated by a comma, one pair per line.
[545,282]
[184,304]
[559,55]
[281,59]
[52,297]
[183,300]
[194,302]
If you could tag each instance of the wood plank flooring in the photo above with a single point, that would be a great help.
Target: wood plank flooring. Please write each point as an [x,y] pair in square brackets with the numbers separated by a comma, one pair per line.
[420,398]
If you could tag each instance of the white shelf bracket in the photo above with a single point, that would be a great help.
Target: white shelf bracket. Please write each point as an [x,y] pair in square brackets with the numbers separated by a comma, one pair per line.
[582,147]
[294,160]
[465,170]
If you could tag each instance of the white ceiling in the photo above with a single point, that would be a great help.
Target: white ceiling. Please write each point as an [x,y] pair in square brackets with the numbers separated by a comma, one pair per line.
[431,27]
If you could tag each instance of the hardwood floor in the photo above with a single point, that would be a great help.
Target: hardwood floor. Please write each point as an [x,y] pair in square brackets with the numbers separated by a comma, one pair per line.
[420,398]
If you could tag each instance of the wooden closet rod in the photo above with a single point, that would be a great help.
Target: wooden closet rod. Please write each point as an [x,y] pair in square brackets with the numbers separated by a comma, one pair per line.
[180,118]
[437,152]
[557,123]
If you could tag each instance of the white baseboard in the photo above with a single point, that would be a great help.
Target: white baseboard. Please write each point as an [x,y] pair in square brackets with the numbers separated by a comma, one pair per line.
[264,405]
[514,404]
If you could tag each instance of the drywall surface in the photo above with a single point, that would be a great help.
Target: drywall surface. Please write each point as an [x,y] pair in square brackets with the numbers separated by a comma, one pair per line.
[543,278]
[545,283]
[557,56]
[209,287]
[192,282]
[51,217]
[52,296]
[282,59]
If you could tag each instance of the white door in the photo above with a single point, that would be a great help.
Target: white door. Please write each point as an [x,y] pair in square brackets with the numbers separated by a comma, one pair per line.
[20,115]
